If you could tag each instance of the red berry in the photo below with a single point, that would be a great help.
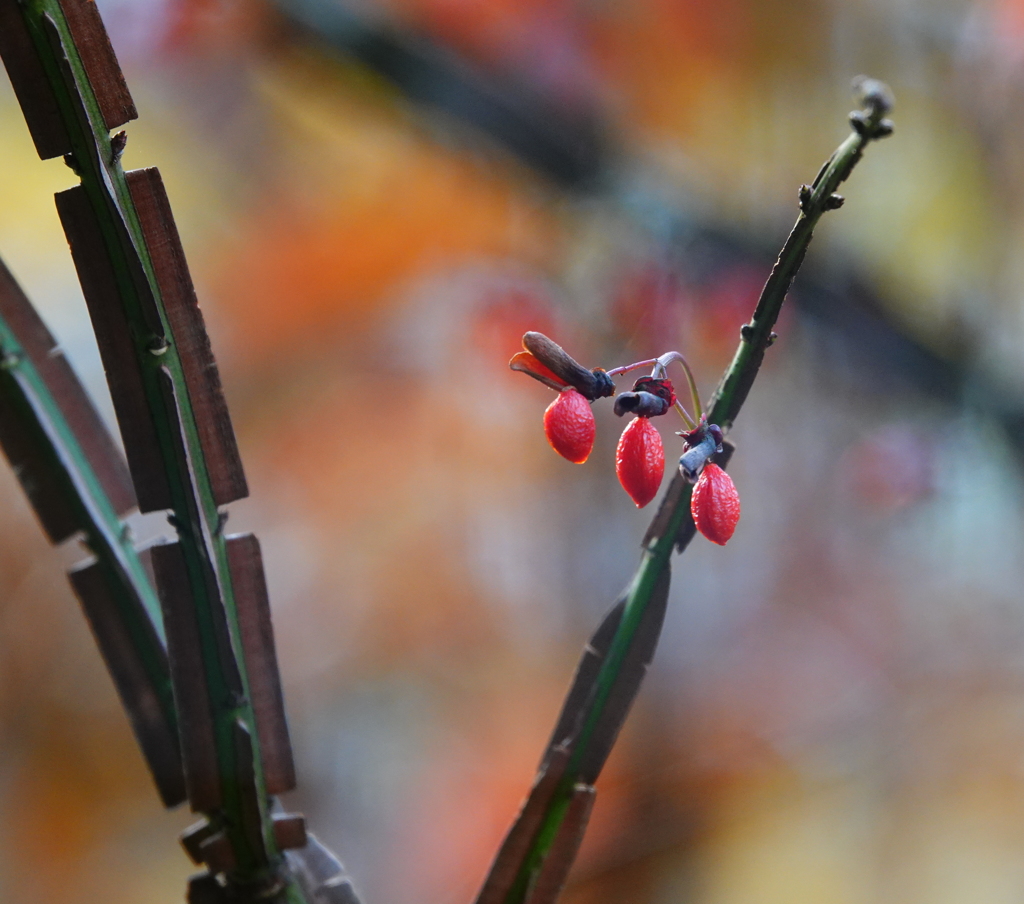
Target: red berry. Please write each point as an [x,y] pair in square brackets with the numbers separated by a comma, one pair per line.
[715,504]
[569,426]
[640,460]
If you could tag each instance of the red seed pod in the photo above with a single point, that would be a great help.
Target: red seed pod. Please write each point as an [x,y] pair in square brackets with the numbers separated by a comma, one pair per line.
[640,460]
[715,504]
[569,426]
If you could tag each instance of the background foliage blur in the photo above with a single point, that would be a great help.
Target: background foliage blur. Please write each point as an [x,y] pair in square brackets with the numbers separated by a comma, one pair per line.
[377,199]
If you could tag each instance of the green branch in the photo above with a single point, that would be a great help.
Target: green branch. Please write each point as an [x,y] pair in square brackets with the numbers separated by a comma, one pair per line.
[59,467]
[672,526]
[169,408]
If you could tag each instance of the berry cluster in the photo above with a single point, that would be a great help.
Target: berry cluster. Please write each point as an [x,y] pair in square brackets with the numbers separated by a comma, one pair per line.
[640,456]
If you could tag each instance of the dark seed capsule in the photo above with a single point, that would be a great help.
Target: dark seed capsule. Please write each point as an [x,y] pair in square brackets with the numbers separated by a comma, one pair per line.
[693,459]
[642,404]
[591,384]
[702,443]
[650,397]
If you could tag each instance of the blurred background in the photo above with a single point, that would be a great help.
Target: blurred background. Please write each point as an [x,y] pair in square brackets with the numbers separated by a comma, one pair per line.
[378,199]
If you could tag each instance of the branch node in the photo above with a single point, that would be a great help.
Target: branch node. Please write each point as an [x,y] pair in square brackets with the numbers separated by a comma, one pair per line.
[834,201]
[859,121]
[747,332]
[117,144]
[805,196]
[771,339]
[876,99]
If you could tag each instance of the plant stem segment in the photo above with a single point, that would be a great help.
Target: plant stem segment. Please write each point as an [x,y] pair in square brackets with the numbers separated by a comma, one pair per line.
[815,199]
[672,526]
[238,776]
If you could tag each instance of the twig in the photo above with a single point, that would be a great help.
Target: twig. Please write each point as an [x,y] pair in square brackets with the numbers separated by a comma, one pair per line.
[613,687]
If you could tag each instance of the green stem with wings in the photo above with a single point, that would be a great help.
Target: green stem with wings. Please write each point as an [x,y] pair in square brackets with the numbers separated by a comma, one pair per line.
[672,527]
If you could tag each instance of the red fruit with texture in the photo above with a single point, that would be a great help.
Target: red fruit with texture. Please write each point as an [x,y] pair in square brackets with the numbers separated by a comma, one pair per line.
[569,426]
[640,460]
[715,504]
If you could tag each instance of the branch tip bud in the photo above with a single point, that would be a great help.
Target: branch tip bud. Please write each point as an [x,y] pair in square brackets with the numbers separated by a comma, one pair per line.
[873,94]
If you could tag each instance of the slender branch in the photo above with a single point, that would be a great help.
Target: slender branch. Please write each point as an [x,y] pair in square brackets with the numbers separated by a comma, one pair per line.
[815,200]
[626,368]
[672,527]
[690,423]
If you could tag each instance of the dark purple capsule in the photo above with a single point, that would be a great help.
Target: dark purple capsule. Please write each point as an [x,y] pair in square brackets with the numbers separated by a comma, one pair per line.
[650,397]
[701,444]
[642,404]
